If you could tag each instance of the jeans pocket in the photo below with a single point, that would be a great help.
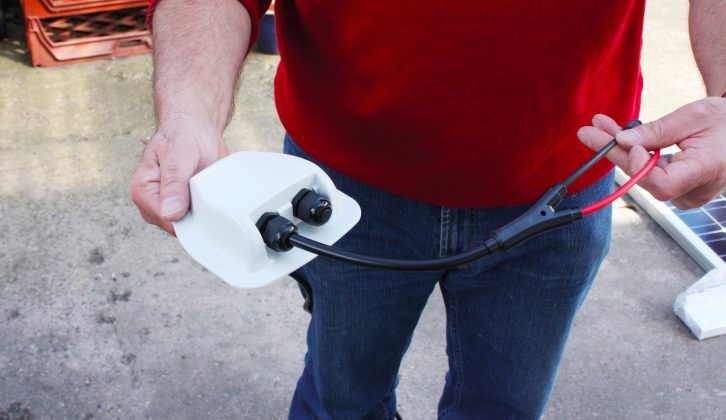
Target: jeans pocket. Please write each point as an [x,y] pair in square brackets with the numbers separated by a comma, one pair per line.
[305,289]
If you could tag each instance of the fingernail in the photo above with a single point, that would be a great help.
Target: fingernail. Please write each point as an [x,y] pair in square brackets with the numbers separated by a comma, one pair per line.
[171,205]
[582,135]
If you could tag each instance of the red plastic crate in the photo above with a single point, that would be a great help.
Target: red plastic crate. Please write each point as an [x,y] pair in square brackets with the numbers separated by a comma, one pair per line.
[56,8]
[88,36]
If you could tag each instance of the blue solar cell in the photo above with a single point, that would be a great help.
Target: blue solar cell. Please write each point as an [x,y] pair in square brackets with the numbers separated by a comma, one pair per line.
[713,236]
[689,211]
[719,214]
[719,247]
[695,219]
[713,227]
[715,204]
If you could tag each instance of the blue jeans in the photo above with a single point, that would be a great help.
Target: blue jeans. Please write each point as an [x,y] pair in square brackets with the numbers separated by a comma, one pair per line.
[508,315]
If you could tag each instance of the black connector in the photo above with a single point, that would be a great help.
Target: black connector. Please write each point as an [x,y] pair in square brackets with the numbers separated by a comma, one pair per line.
[540,218]
[276,231]
[311,207]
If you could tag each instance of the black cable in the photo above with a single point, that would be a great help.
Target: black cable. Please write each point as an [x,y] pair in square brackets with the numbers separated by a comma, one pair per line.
[281,234]
[445,263]
[599,155]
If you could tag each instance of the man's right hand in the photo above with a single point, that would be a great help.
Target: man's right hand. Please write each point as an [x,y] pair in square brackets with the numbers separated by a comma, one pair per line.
[199,47]
[179,149]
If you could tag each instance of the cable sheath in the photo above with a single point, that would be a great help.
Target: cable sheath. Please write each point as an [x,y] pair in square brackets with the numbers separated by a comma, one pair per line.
[590,163]
[598,156]
[435,264]
[592,208]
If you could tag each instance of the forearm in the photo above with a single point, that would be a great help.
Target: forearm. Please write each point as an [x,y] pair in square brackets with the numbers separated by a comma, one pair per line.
[199,47]
[707,23]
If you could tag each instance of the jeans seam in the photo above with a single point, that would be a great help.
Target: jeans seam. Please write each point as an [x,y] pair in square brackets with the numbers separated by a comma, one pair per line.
[455,222]
[444,236]
[472,228]
[456,356]
[392,387]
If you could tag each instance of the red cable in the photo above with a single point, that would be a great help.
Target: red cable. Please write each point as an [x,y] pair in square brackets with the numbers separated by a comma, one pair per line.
[592,208]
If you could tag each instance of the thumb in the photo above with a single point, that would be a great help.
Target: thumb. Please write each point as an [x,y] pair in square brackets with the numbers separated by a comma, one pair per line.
[174,188]
[663,132]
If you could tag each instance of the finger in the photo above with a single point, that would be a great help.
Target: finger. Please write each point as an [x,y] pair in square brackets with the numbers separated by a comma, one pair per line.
[666,131]
[653,182]
[638,157]
[174,186]
[606,124]
[697,197]
[694,199]
[596,139]
[678,178]
[145,194]
[663,161]
[681,204]
[145,187]
[154,219]
[686,203]
[168,227]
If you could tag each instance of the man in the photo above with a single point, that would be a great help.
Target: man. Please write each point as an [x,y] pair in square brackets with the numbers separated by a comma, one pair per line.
[443,120]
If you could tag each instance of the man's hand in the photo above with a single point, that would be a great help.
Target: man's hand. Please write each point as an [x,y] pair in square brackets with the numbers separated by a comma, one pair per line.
[199,46]
[176,152]
[690,178]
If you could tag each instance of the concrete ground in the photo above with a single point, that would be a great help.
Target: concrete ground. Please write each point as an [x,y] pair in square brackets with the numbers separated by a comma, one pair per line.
[102,316]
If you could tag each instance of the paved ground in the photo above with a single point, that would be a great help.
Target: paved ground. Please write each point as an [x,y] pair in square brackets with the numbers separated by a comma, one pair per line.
[102,316]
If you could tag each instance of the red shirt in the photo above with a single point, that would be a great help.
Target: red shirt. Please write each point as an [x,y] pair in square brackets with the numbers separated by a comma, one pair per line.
[465,103]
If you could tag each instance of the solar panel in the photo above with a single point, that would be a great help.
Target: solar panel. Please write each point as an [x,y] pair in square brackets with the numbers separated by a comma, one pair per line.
[700,232]
[708,222]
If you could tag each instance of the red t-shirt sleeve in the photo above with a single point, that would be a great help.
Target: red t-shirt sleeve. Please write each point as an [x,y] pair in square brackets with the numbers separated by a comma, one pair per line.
[256,9]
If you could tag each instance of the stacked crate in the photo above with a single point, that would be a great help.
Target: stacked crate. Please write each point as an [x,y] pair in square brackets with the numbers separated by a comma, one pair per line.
[71,31]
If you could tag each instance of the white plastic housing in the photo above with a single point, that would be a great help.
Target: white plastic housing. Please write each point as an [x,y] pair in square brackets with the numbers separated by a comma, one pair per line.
[228,198]
[702,307]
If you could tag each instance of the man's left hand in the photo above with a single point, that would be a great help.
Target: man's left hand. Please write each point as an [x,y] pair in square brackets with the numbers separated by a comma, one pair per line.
[689,178]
